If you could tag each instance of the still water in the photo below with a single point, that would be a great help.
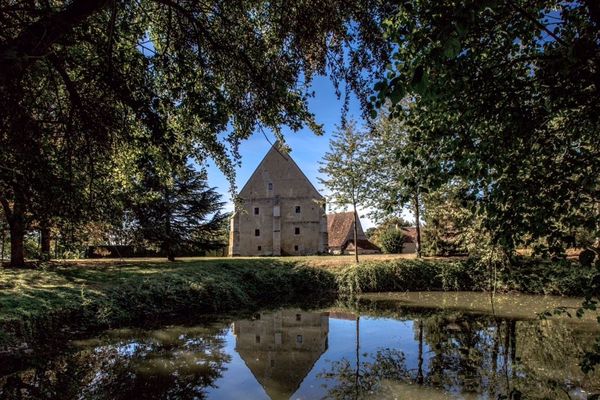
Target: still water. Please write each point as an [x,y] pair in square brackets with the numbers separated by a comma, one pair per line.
[384,346]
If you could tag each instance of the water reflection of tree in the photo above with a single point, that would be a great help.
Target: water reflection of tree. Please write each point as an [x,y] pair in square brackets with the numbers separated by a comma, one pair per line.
[495,358]
[174,363]
[353,379]
[472,354]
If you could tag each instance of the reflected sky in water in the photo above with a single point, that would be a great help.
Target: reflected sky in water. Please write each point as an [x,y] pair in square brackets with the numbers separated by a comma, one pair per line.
[416,346]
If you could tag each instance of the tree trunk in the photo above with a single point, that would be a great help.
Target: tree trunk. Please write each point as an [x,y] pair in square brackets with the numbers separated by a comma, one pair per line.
[17,237]
[16,225]
[45,242]
[357,376]
[355,234]
[169,239]
[3,238]
[417,225]
[170,255]
[420,377]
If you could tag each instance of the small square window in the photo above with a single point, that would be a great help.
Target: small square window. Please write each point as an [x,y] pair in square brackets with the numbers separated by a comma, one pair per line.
[296,248]
[270,186]
[298,317]
[256,210]
[299,339]
[298,209]
[259,248]
[257,232]
[297,231]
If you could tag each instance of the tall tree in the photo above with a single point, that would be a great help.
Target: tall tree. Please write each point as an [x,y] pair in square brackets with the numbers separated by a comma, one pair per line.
[178,211]
[507,98]
[345,167]
[80,79]
[400,173]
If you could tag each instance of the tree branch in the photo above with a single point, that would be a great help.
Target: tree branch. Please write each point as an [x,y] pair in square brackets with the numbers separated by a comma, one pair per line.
[35,41]
[6,208]
[536,22]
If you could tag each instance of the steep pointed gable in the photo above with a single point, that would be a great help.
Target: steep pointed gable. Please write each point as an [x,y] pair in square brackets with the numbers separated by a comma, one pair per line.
[340,228]
[278,175]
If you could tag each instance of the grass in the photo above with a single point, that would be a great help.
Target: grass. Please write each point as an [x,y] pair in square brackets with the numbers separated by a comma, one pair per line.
[90,296]
[85,295]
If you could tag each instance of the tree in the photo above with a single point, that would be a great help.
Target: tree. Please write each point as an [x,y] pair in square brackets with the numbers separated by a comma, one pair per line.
[179,211]
[345,167]
[390,223]
[504,95]
[391,241]
[450,223]
[81,80]
[400,172]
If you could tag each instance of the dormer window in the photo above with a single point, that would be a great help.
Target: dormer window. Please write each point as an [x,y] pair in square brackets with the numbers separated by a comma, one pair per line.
[270,186]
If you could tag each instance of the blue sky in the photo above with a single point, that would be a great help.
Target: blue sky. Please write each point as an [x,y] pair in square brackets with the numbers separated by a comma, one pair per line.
[307,148]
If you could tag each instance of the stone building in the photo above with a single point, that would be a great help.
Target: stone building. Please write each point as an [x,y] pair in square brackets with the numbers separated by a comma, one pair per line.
[279,212]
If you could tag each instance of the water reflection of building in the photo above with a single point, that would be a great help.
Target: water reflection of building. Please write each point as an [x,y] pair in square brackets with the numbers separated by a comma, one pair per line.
[280,348]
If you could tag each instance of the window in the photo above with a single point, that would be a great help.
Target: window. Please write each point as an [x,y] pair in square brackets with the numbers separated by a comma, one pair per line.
[298,317]
[257,232]
[297,231]
[298,209]
[272,363]
[270,186]
[259,248]
[299,339]
[256,211]
[257,339]
[296,248]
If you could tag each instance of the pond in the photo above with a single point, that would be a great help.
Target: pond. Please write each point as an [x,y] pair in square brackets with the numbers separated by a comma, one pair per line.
[383,346]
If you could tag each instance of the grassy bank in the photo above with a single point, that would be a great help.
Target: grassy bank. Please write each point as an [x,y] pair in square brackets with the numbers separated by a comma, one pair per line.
[34,303]
[529,276]
[62,299]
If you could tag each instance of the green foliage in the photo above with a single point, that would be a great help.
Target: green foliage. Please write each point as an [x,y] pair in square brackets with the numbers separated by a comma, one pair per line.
[449,223]
[391,241]
[33,301]
[528,276]
[390,222]
[402,275]
[498,95]
[86,85]
[178,212]
[344,167]
[396,175]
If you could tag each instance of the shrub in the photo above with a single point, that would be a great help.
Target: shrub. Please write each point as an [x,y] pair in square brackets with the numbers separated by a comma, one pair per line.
[392,241]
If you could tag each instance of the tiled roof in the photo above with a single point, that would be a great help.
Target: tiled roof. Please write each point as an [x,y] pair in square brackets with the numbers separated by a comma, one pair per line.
[338,227]
[363,244]
[411,234]
[339,230]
